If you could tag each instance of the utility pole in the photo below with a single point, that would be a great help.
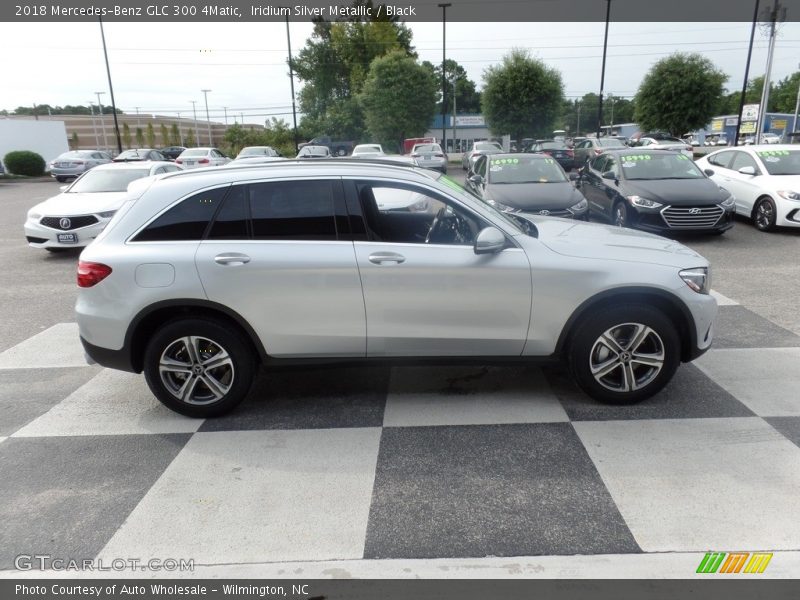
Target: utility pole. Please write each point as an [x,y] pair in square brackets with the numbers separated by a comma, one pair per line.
[196,131]
[578,124]
[138,120]
[795,126]
[454,116]
[225,108]
[111,90]
[102,120]
[762,116]
[208,120]
[291,84]
[180,129]
[94,126]
[603,71]
[444,86]
[746,76]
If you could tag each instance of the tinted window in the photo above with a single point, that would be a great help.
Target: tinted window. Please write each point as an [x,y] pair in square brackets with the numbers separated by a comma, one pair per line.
[293,210]
[231,221]
[743,159]
[722,159]
[185,221]
[599,162]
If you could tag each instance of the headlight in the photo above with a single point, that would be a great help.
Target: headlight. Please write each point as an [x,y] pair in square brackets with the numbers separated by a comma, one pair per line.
[580,206]
[789,194]
[643,202]
[728,202]
[503,207]
[698,279]
[35,216]
[107,215]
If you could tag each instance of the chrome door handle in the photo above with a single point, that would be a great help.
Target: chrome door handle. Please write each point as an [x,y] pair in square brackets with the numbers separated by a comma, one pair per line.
[386,257]
[231,258]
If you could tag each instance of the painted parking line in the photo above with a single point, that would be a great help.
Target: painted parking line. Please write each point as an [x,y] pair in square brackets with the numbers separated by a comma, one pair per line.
[57,346]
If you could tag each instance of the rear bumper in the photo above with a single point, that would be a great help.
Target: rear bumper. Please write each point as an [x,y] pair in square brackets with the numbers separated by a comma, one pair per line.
[113,359]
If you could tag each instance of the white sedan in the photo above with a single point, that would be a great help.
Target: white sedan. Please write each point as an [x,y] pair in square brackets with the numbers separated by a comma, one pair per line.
[192,158]
[368,151]
[765,180]
[77,215]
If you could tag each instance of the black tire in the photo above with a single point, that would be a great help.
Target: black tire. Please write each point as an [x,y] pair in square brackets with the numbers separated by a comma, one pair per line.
[765,214]
[61,179]
[233,378]
[589,349]
[620,215]
[341,152]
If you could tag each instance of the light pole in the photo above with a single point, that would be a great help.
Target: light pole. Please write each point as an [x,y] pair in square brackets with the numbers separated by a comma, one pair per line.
[208,121]
[225,108]
[578,124]
[603,71]
[291,84]
[611,99]
[110,89]
[762,115]
[94,125]
[746,76]
[102,120]
[444,6]
[797,106]
[454,115]
[180,130]
[138,119]
[196,131]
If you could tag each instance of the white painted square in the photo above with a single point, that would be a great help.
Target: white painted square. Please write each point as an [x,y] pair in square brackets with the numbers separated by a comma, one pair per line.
[700,484]
[2,439]
[111,403]
[425,396]
[766,380]
[250,496]
[57,346]
[723,300]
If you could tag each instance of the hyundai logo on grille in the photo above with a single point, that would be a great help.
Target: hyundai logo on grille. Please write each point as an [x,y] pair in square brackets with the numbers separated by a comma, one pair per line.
[64,223]
[694,211]
[544,212]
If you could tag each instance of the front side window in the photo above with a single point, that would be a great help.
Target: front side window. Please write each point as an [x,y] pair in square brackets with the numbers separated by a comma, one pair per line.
[293,210]
[407,214]
[743,159]
[187,220]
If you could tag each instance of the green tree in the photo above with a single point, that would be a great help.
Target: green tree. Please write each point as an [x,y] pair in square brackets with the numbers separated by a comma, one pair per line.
[139,137]
[399,99]
[521,96]
[151,136]
[126,135]
[75,141]
[784,94]
[680,93]
[333,67]
[164,135]
[468,99]
[190,141]
[174,135]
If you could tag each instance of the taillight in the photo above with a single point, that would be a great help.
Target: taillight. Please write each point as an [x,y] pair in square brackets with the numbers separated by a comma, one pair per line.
[598,151]
[203,161]
[179,161]
[90,273]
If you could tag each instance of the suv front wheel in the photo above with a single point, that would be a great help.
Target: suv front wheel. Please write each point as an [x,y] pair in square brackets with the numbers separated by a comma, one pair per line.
[625,354]
[198,368]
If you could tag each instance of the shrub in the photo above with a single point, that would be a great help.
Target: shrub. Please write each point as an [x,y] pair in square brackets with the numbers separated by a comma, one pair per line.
[24,162]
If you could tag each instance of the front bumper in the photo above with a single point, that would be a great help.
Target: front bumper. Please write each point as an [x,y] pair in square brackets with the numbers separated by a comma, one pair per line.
[39,236]
[654,221]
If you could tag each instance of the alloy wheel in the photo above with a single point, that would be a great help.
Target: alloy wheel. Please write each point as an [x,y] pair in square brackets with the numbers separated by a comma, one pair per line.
[627,357]
[196,370]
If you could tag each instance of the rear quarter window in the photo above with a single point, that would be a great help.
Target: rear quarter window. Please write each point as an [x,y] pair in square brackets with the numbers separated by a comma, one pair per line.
[185,221]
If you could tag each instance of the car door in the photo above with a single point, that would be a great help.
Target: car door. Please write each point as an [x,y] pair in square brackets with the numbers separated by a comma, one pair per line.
[279,253]
[426,291]
[591,185]
[745,188]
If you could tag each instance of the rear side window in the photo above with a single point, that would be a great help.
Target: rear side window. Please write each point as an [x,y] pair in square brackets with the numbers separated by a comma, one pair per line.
[293,210]
[185,221]
[721,159]
[231,221]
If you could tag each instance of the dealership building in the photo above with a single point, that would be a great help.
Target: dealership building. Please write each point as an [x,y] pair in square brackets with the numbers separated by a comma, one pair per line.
[466,129]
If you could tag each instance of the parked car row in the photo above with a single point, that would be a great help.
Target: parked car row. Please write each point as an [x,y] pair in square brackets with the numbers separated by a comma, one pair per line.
[659,191]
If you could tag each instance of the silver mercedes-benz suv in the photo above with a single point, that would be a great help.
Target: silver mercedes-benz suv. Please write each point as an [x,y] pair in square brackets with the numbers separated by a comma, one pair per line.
[201,276]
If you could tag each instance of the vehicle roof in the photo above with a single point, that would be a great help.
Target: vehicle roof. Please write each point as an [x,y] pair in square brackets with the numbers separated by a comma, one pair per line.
[132,165]
[762,147]
[639,150]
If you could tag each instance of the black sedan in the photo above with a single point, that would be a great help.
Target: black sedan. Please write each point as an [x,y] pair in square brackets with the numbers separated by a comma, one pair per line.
[563,154]
[172,152]
[526,183]
[658,191]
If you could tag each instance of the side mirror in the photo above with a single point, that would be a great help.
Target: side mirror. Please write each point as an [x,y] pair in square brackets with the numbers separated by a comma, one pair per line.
[573,177]
[476,179]
[610,175]
[490,241]
[708,172]
[747,171]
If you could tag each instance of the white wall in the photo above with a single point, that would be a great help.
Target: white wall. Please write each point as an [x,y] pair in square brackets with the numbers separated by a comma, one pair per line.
[47,138]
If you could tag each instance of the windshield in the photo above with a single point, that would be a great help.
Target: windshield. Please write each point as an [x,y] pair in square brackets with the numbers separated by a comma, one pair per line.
[780,162]
[133,154]
[74,154]
[458,188]
[109,180]
[487,147]
[610,143]
[553,146]
[659,165]
[525,170]
[368,149]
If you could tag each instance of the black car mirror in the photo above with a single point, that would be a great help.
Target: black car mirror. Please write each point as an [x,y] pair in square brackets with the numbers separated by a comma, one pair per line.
[476,180]
[708,172]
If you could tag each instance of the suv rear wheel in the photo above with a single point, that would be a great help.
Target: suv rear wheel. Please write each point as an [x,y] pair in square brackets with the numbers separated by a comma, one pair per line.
[199,368]
[625,354]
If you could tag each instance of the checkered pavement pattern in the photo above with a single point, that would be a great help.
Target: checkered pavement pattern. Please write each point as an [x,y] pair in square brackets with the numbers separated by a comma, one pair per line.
[404,462]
